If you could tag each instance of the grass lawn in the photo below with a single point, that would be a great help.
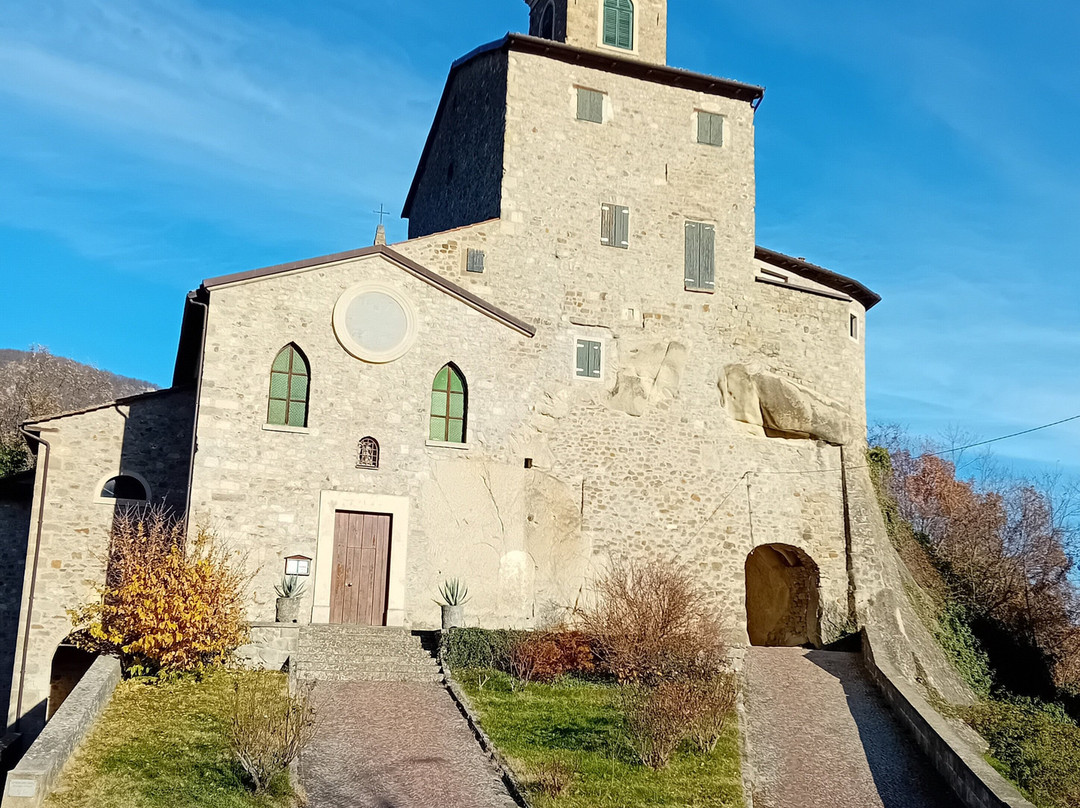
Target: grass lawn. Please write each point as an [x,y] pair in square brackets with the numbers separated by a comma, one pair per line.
[580,724]
[163,746]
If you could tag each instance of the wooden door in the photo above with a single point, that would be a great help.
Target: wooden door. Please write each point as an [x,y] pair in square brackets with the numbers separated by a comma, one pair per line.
[361,568]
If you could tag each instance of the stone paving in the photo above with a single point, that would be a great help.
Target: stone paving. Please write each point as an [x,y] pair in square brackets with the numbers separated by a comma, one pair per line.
[820,736]
[395,745]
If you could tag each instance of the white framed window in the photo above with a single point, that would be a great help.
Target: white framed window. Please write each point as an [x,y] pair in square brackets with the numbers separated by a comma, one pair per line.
[588,358]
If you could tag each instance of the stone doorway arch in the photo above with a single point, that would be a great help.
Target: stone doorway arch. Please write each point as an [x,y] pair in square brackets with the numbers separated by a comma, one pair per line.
[782,597]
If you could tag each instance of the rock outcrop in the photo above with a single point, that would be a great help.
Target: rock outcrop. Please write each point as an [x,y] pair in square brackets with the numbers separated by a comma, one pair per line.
[783,408]
[648,375]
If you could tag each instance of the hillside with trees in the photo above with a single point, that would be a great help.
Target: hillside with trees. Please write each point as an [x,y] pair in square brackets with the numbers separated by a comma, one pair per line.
[35,384]
[991,558]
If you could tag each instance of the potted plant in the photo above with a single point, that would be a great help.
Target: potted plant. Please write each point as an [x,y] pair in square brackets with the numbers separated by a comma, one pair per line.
[289,592]
[454,596]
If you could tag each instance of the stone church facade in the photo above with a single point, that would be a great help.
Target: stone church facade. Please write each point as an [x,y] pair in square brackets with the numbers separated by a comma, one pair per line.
[579,357]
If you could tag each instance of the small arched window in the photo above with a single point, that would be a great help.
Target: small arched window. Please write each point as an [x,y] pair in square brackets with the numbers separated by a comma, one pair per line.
[289,377]
[124,486]
[449,406]
[367,456]
[547,22]
[619,23]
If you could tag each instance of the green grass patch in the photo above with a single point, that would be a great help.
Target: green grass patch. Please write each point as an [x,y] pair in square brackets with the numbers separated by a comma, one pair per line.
[160,746]
[579,724]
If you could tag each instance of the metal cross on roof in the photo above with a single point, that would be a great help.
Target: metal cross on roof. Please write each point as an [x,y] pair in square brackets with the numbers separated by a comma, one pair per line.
[381,213]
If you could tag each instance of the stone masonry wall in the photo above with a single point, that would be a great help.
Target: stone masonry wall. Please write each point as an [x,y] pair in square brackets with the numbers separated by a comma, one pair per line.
[149,436]
[14,530]
[459,181]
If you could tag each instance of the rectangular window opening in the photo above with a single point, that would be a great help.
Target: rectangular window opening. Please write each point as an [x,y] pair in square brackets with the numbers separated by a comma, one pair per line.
[590,105]
[474,261]
[615,226]
[700,257]
[854,327]
[710,128]
[588,359]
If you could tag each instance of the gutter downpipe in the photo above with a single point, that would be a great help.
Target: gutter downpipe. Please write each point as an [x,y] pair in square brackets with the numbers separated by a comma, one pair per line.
[34,569]
[198,400]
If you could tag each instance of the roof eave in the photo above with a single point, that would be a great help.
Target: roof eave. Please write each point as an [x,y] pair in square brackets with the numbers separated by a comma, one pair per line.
[826,277]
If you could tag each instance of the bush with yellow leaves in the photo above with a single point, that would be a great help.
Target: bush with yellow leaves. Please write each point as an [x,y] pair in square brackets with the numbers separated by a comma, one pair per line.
[168,605]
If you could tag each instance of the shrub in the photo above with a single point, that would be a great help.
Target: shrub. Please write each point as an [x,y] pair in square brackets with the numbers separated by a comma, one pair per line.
[269,727]
[959,642]
[546,655]
[1037,744]
[651,623]
[713,701]
[658,719]
[166,606]
[461,648]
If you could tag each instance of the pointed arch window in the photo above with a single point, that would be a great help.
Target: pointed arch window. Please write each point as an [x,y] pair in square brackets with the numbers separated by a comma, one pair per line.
[449,406]
[289,385]
[547,22]
[619,23]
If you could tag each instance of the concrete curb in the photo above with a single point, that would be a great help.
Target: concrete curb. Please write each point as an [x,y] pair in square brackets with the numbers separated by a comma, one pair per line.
[505,772]
[975,782]
[746,766]
[36,774]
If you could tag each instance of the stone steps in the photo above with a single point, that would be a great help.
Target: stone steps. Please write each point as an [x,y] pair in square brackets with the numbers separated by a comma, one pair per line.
[337,653]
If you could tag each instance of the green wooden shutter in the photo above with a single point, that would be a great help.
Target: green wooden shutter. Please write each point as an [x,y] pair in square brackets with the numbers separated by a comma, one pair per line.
[475,261]
[622,227]
[607,224]
[692,255]
[625,29]
[710,128]
[708,257]
[594,360]
[611,24]
[582,358]
[590,105]
[700,256]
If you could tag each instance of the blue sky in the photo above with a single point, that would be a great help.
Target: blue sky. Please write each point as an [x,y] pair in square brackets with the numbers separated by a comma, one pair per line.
[927,149]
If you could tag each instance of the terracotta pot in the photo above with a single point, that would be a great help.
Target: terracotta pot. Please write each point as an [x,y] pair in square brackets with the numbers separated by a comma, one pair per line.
[453,616]
[288,610]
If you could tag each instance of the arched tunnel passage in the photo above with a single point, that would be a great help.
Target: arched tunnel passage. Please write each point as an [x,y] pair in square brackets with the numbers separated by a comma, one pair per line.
[782,599]
[68,667]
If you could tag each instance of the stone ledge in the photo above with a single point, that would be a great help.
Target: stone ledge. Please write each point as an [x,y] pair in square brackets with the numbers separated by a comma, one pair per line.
[975,782]
[36,774]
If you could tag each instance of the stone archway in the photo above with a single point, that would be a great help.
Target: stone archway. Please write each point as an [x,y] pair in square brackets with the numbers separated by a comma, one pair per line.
[782,598]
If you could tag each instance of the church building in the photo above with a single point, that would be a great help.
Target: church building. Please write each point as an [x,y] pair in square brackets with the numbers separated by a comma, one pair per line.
[580,356]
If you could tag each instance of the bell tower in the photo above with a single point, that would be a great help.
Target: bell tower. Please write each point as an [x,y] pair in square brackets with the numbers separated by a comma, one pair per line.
[633,28]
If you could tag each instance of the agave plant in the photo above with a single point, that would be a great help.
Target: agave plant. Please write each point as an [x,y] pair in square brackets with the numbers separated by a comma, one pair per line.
[290,587]
[453,592]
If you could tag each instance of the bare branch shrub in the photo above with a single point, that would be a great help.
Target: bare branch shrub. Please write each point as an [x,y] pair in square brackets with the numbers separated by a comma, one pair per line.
[544,656]
[658,719]
[714,701]
[650,623]
[269,727]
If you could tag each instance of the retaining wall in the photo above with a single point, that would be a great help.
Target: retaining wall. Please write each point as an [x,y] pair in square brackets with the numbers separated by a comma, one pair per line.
[975,781]
[36,774]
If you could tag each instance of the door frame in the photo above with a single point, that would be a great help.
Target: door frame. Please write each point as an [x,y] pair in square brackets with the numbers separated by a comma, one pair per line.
[330,502]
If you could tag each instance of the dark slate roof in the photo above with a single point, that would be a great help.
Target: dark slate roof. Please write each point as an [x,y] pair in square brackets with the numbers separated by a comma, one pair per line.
[407,264]
[820,275]
[608,62]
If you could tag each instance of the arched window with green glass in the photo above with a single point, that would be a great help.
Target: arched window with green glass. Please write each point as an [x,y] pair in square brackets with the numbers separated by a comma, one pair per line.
[289,385]
[619,23]
[449,406]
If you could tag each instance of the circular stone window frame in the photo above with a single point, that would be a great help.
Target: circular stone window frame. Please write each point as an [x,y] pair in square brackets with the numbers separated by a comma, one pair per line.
[341,331]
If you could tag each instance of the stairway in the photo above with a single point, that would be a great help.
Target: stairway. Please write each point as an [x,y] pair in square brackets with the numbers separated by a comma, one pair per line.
[342,653]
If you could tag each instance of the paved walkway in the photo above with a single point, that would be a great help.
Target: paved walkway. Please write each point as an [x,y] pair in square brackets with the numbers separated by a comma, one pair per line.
[395,745]
[820,736]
